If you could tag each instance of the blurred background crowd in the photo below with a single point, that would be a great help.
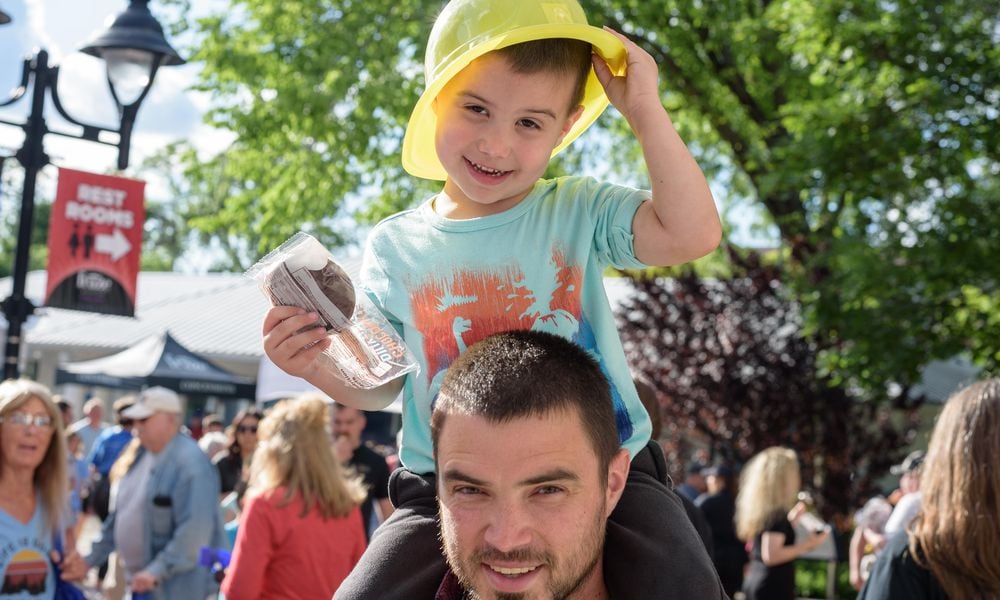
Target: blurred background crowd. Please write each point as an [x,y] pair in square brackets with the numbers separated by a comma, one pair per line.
[286,499]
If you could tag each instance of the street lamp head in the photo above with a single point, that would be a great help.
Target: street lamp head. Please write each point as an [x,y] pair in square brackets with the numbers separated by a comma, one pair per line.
[133,47]
[134,28]
[4,18]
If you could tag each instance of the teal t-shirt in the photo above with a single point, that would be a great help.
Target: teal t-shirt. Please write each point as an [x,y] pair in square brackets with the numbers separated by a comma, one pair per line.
[24,557]
[446,284]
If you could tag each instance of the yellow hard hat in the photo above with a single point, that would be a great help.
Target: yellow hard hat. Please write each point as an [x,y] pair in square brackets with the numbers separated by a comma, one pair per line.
[468,29]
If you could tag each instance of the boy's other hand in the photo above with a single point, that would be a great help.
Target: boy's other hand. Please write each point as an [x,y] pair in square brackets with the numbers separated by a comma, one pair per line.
[289,341]
[638,88]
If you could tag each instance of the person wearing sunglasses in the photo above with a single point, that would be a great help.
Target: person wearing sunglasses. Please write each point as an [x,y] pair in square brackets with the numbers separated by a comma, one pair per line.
[233,463]
[164,504]
[33,493]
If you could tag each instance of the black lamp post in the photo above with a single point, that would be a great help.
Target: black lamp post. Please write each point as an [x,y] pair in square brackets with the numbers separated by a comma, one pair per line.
[134,48]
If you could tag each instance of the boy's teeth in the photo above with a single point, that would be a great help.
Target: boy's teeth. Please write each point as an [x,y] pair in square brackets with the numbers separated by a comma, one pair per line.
[486,170]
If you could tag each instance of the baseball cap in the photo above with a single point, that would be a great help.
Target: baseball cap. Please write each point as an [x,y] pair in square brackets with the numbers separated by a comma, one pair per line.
[695,468]
[912,462]
[153,400]
[468,29]
[124,403]
[718,471]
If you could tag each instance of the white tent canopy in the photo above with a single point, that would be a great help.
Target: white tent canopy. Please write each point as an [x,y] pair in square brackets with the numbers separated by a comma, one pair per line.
[274,384]
[158,360]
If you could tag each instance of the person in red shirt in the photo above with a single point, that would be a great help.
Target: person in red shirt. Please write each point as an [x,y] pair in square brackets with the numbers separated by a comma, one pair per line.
[300,533]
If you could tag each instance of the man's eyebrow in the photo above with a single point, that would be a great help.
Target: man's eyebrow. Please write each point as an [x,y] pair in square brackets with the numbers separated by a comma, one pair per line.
[550,476]
[452,475]
[455,475]
[481,100]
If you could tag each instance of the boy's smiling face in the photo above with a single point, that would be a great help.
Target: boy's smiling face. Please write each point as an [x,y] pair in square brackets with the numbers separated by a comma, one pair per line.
[496,130]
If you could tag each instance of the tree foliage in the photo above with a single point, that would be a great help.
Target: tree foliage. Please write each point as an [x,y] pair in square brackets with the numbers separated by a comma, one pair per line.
[198,193]
[864,128]
[734,372]
[11,187]
[867,130]
[317,93]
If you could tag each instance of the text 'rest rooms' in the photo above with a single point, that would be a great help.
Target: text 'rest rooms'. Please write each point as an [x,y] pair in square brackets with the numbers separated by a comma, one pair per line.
[101,206]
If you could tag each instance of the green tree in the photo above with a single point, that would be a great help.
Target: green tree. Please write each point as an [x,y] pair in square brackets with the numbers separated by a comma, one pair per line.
[189,217]
[317,93]
[164,229]
[865,129]
[10,215]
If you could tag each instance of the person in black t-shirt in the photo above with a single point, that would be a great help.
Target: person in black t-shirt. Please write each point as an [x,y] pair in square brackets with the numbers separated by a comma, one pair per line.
[765,513]
[718,505]
[348,423]
[233,463]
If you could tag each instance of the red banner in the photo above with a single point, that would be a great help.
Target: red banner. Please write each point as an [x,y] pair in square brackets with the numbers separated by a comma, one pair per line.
[95,240]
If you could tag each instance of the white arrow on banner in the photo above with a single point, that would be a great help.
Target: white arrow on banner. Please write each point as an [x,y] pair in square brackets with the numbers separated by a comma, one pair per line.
[116,244]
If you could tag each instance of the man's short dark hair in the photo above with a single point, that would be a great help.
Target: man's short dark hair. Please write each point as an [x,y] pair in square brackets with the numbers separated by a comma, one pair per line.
[521,374]
[553,55]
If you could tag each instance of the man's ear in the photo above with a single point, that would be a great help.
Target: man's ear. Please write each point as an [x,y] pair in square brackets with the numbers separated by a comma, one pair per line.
[617,476]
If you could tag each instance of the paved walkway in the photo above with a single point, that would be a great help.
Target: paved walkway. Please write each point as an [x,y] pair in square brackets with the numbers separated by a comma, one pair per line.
[88,533]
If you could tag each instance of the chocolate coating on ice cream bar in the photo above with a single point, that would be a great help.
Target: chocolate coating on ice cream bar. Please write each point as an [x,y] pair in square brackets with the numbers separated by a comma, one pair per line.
[337,287]
[328,291]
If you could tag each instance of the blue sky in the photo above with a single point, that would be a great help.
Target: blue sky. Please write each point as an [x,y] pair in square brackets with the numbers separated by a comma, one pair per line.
[168,113]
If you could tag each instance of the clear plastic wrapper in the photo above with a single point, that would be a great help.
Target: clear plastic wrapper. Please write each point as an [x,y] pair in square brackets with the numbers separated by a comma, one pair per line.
[365,350]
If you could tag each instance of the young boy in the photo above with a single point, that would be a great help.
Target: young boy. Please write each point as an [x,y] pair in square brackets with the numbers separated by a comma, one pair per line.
[508,85]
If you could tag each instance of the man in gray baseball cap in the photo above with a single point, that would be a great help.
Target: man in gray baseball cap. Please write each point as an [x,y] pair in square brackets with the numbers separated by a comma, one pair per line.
[165,509]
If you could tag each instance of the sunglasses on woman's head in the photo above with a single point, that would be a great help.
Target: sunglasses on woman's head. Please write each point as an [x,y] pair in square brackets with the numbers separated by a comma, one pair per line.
[246,429]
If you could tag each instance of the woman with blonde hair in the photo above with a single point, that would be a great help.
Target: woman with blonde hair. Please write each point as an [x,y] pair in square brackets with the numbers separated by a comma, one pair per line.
[766,510]
[301,531]
[34,488]
[951,550]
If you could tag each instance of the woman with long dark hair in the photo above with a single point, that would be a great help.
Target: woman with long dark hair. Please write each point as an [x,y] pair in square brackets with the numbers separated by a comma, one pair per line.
[242,434]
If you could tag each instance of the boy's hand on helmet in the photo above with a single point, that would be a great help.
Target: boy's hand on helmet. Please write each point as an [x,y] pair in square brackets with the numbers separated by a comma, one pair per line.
[638,88]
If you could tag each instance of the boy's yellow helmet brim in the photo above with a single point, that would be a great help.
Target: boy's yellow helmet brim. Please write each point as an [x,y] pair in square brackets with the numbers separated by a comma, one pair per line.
[468,29]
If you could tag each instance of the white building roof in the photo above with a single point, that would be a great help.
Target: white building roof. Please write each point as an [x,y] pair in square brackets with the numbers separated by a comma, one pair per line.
[215,315]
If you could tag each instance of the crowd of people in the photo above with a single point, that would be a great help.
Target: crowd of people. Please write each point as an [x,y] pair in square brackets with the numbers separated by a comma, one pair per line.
[296,531]
[529,480]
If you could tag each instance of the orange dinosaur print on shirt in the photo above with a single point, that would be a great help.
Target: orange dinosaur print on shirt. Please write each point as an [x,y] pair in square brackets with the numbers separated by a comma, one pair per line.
[452,311]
